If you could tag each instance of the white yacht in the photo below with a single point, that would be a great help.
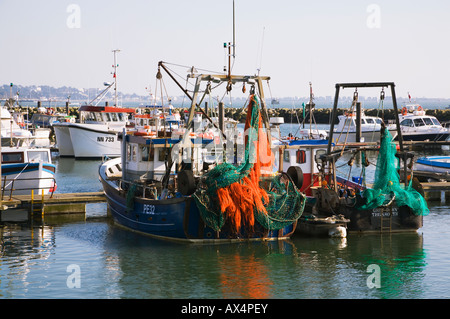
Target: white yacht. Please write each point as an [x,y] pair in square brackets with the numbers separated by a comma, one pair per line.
[415,125]
[345,130]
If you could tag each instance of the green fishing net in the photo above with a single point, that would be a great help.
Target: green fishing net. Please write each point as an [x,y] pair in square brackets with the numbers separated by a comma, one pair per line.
[285,205]
[387,182]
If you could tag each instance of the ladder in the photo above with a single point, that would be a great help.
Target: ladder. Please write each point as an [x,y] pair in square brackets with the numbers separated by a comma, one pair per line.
[36,206]
[386,221]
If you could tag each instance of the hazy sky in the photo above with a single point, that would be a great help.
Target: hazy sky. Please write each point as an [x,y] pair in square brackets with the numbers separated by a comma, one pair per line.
[69,43]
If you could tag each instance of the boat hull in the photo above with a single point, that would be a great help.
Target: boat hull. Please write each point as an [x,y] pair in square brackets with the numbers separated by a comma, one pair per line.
[390,218]
[86,140]
[435,164]
[89,142]
[368,136]
[24,177]
[425,136]
[175,219]
[63,140]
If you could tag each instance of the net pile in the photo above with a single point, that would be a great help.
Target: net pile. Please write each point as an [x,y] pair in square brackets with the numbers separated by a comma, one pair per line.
[240,195]
[387,182]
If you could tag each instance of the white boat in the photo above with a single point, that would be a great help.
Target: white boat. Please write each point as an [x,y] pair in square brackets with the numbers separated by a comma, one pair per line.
[435,164]
[415,125]
[25,169]
[14,135]
[96,133]
[345,131]
[48,118]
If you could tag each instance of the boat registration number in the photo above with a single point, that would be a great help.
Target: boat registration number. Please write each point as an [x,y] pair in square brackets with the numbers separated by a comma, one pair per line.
[105,138]
[148,209]
[378,211]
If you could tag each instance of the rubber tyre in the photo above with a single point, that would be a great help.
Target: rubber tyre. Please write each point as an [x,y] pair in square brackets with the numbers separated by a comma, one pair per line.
[296,175]
[186,182]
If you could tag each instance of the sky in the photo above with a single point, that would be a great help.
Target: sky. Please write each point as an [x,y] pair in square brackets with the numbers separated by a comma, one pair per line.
[70,43]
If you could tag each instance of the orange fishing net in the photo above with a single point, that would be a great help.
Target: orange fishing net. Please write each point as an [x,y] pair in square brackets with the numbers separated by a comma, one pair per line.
[239,200]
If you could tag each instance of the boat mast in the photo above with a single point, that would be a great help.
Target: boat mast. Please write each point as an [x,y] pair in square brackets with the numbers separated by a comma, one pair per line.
[115,66]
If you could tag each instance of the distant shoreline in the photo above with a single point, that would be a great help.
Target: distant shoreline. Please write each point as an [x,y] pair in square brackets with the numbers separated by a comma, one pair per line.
[321,116]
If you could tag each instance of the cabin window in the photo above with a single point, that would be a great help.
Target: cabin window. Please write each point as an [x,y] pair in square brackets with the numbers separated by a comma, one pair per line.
[363,121]
[286,156]
[147,153]
[301,157]
[13,157]
[36,156]
[98,116]
[114,117]
[407,122]
[435,121]
[108,117]
[418,122]
[370,121]
[378,121]
[349,122]
[427,121]
[162,155]
[121,118]
[131,152]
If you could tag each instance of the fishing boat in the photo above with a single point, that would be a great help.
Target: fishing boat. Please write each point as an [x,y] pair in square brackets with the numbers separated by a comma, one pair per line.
[25,169]
[161,186]
[384,206]
[435,164]
[417,126]
[96,133]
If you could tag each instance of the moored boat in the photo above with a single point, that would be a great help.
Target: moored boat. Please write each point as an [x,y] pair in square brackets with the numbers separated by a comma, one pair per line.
[26,169]
[385,206]
[162,187]
[435,164]
[415,125]
[95,135]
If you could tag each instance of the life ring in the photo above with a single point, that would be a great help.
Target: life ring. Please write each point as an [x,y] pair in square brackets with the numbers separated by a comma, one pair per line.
[404,110]
[420,108]
[141,133]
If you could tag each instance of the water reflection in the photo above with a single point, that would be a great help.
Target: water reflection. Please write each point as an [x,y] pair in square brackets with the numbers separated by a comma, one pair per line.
[22,249]
[116,263]
[330,269]
[299,268]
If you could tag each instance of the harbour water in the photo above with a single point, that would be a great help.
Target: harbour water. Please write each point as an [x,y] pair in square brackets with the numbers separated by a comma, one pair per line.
[89,257]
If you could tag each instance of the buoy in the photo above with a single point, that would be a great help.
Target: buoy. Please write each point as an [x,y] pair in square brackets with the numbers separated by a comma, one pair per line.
[338,232]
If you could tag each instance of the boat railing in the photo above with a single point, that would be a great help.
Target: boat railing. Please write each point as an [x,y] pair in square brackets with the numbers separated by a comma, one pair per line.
[148,190]
[10,186]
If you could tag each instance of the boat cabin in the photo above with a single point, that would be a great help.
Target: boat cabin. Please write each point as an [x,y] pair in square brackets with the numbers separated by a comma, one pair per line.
[24,155]
[304,154]
[114,116]
[147,158]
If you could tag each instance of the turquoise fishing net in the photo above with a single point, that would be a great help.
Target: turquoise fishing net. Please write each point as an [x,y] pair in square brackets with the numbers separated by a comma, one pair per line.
[387,182]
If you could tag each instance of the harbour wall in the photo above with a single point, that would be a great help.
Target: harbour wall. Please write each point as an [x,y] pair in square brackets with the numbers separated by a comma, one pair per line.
[321,116]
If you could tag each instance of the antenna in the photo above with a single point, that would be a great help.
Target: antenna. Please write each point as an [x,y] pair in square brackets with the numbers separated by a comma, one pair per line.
[234,33]
[115,76]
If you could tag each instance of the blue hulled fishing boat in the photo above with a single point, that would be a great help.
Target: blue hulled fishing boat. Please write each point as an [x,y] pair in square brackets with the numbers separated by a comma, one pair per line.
[195,184]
